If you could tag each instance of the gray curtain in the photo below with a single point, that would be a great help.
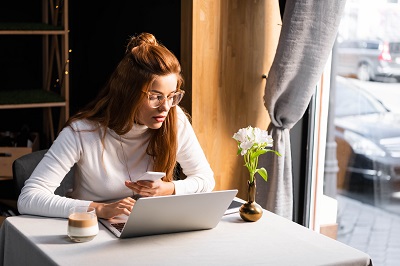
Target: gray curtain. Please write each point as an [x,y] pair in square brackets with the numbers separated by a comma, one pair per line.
[307,36]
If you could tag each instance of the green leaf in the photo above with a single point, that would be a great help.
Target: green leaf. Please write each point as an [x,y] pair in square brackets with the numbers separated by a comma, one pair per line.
[257,153]
[277,153]
[262,172]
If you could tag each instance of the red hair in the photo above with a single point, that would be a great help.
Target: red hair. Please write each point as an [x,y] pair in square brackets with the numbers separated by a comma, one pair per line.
[118,103]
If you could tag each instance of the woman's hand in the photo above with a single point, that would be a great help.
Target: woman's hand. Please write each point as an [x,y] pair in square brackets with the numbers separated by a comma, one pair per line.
[151,188]
[110,210]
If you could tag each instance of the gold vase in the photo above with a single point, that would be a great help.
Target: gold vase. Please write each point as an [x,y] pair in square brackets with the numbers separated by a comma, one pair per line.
[251,211]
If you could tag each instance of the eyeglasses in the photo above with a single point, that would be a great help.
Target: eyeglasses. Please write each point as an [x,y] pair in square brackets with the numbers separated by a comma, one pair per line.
[156,99]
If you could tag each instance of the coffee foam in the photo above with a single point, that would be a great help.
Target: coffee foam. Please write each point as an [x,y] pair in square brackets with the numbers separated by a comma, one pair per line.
[82,219]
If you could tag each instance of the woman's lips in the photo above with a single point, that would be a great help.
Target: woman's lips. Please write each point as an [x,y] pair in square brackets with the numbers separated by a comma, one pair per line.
[159,118]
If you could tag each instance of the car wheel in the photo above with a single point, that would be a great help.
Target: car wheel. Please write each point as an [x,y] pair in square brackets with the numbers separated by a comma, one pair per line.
[363,72]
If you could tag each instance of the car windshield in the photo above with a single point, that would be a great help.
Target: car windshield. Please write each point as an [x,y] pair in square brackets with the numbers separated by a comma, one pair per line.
[352,100]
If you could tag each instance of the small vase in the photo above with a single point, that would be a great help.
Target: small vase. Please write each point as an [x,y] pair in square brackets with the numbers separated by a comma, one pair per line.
[251,211]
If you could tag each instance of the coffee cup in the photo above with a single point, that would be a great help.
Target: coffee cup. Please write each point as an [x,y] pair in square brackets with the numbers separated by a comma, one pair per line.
[82,224]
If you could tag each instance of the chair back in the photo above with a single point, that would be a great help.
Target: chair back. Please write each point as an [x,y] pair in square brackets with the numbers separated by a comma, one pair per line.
[24,166]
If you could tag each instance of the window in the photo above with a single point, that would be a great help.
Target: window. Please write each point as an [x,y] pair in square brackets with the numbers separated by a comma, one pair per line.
[363,135]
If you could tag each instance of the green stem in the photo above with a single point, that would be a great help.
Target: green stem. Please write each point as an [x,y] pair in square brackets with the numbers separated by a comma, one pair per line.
[251,179]
[251,166]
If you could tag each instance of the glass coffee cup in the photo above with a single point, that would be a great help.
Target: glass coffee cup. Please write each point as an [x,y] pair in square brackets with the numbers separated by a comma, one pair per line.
[82,224]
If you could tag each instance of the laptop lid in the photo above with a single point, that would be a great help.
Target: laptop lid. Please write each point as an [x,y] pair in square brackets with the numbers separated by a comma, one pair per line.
[171,214]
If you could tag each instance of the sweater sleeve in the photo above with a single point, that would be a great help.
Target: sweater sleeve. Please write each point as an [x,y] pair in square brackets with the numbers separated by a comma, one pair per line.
[37,196]
[199,175]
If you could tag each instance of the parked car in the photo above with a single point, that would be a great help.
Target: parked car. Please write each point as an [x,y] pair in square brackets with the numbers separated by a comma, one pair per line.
[369,59]
[368,143]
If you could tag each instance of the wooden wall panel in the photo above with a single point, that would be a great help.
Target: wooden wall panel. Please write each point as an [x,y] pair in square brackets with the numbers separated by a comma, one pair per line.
[231,44]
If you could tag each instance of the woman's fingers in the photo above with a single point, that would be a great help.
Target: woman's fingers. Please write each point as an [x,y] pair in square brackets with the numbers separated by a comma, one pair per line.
[126,203]
[123,206]
[151,188]
[144,188]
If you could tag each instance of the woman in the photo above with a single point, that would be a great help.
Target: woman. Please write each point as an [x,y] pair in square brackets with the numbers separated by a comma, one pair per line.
[133,126]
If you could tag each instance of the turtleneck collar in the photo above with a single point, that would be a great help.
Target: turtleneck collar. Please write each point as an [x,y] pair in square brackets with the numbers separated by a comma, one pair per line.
[136,130]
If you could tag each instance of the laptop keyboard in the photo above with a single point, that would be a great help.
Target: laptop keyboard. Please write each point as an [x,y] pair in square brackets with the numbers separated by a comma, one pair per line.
[118,226]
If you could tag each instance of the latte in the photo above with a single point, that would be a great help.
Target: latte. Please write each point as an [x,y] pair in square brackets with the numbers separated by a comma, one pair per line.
[82,226]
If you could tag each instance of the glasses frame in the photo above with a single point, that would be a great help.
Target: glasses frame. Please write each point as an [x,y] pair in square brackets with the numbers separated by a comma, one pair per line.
[164,98]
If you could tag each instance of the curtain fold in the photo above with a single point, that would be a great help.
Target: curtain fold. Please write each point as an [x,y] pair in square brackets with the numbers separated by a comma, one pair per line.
[308,33]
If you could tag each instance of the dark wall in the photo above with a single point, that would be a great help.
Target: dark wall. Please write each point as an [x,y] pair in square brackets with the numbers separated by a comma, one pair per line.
[98,34]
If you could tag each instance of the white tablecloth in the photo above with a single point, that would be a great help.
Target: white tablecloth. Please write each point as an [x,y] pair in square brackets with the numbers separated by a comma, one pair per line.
[273,240]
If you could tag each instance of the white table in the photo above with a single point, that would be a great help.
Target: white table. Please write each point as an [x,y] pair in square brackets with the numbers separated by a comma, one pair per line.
[273,240]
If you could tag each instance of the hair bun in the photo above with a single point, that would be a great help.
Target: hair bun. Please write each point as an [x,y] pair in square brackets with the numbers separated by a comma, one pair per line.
[141,39]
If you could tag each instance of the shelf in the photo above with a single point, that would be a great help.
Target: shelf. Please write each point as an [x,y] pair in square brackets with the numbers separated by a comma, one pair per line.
[53,31]
[30,29]
[17,99]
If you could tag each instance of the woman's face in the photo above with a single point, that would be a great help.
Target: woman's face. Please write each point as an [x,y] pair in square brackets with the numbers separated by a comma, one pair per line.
[154,117]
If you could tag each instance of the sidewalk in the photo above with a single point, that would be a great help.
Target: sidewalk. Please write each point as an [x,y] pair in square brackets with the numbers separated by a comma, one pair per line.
[369,229]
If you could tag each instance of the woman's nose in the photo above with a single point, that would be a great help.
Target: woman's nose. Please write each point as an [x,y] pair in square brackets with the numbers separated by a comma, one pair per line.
[165,106]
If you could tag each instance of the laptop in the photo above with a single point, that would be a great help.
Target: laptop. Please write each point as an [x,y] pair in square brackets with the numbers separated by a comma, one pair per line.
[172,214]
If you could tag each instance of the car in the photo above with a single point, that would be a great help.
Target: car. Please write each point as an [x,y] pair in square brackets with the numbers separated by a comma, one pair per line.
[369,59]
[367,135]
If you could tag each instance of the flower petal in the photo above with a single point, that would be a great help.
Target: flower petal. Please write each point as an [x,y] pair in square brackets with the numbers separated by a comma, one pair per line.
[246,145]
[241,135]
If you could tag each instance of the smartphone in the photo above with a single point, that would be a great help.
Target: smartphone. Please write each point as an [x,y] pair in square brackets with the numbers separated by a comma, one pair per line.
[151,176]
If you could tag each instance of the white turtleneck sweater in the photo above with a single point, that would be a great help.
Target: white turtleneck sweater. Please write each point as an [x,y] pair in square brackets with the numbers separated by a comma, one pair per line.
[102,170]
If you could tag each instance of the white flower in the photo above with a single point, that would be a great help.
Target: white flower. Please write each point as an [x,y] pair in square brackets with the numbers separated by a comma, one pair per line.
[269,140]
[259,135]
[245,146]
[241,135]
[252,142]
[252,138]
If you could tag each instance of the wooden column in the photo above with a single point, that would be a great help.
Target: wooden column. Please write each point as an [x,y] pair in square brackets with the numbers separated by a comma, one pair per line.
[227,45]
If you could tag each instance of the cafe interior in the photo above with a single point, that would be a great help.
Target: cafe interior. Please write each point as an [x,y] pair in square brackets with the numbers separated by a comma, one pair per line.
[245,63]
